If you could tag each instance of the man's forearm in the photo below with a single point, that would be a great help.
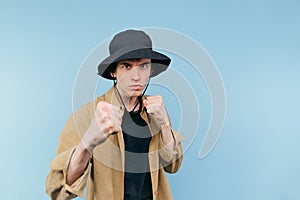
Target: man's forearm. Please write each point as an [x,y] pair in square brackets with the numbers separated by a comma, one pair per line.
[78,163]
[167,136]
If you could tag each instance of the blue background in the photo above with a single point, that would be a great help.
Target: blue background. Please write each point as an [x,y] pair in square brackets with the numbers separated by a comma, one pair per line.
[255,45]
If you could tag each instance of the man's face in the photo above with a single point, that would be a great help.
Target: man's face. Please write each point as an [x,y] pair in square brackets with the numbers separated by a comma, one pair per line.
[132,76]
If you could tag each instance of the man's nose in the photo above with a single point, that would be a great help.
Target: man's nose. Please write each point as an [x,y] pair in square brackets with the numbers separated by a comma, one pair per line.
[135,73]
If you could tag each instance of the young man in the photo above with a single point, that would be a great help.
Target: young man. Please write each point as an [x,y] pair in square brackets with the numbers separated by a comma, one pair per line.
[120,145]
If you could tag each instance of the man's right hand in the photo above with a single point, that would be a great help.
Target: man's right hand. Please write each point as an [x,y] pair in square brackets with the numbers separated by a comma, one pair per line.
[106,121]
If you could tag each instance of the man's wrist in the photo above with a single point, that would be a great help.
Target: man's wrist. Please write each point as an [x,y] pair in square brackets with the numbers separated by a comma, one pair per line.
[86,143]
[165,125]
[84,148]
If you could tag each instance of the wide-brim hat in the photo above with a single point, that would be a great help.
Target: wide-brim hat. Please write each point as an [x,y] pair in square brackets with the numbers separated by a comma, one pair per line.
[132,44]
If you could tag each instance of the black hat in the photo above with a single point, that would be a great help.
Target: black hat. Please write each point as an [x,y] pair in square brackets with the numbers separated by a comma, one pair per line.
[132,44]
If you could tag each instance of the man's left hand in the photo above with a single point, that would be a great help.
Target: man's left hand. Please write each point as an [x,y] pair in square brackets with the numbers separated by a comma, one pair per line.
[155,106]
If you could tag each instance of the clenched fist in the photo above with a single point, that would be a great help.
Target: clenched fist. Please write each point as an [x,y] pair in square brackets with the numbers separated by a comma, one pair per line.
[156,107]
[106,121]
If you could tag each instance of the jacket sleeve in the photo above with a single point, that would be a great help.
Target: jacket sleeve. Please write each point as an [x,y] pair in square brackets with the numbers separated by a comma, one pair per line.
[56,186]
[171,159]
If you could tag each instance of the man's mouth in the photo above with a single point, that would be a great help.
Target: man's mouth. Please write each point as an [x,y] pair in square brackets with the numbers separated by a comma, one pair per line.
[136,87]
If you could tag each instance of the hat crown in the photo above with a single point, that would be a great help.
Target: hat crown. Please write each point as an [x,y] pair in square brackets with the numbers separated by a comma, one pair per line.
[132,44]
[129,40]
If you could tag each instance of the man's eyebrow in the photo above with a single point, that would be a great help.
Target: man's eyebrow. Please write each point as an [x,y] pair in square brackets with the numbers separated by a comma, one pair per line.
[128,63]
[124,63]
[145,63]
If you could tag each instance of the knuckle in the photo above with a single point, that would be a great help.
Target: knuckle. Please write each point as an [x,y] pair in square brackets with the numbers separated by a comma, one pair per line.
[100,104]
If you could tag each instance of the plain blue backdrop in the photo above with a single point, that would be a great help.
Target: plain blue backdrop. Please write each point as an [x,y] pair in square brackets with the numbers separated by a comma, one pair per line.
[255,44]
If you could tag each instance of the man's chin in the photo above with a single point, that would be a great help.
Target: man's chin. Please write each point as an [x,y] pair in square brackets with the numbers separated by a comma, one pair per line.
[135,93]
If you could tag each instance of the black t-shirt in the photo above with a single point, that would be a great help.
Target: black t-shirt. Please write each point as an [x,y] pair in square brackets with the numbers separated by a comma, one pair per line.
[137,137]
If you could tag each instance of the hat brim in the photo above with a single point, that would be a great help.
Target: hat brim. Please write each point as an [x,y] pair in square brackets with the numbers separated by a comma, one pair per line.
[159,61]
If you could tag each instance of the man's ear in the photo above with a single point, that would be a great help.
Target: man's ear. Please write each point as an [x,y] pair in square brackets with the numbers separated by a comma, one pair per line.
[112,75]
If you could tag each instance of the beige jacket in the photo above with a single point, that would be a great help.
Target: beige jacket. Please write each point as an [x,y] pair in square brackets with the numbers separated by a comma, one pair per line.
[104,176]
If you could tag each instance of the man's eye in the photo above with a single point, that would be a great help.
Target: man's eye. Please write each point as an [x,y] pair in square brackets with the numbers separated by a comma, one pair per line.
[126,66]
[145,65]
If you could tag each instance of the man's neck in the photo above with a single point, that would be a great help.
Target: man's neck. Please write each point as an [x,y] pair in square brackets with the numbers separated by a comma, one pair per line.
[129,101]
